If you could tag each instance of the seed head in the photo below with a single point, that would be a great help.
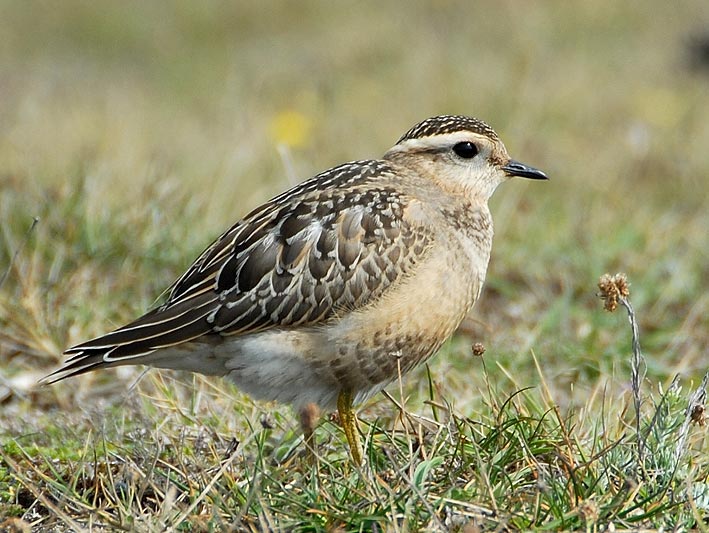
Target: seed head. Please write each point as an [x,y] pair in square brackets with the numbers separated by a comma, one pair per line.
[613,288]
[698,415]
[309,416]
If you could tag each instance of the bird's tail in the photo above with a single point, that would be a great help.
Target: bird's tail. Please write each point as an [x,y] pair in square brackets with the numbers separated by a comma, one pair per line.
[137,342]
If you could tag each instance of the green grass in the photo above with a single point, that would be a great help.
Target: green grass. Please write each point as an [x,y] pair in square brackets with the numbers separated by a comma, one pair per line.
[135,134]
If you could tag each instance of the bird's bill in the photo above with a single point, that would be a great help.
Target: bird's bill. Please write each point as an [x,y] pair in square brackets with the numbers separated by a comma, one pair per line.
[515,168]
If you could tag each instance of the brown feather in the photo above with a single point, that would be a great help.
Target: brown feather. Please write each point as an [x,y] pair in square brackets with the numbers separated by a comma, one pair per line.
[289,262]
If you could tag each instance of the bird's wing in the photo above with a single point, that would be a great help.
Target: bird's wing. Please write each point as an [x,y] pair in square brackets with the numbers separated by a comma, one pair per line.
[326,247]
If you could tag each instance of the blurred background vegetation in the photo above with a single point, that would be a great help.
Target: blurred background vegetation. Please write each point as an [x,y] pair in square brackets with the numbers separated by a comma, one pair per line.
[137,131]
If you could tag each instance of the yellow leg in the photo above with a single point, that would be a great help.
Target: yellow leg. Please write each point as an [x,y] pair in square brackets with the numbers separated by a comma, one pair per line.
[349,424]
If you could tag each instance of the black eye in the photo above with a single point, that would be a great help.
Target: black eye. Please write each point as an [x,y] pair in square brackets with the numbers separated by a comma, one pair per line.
[466,150]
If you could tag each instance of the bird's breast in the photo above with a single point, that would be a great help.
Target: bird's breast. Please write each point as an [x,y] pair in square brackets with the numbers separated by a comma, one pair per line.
[409,322]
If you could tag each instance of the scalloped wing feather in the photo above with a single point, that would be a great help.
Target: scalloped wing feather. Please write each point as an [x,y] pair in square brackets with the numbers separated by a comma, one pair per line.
[328,246]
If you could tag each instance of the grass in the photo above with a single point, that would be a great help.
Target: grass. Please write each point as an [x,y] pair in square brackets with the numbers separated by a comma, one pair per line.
[134,136]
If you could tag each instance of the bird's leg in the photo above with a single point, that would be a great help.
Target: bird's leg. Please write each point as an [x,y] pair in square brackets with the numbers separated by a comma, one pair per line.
[349,424]
[309,415]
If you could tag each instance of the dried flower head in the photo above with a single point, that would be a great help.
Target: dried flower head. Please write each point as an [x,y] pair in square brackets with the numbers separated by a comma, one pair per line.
[267,421]
[698,415]
[309,417]
[613,288]
[478,349]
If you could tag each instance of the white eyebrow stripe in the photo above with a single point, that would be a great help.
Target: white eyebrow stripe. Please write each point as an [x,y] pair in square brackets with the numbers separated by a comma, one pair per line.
[435,142]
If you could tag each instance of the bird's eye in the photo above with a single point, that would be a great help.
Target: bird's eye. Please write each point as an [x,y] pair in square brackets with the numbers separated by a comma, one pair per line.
[466,150]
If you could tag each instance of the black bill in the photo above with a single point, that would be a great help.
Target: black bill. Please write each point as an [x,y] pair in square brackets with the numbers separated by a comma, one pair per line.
[515,168]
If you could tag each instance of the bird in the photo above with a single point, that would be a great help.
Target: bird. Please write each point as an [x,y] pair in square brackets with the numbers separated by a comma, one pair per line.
[328,292]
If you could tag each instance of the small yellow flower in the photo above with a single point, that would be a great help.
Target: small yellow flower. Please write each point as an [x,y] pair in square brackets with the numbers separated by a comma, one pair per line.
[291,128]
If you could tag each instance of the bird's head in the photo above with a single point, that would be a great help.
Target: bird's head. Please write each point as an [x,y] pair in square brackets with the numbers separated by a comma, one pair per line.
[459,152]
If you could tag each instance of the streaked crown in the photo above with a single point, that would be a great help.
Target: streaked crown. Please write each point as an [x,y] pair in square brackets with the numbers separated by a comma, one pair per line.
[443,124]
